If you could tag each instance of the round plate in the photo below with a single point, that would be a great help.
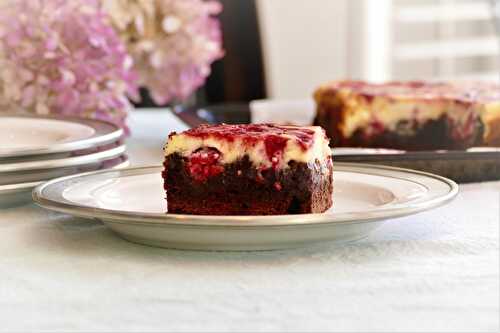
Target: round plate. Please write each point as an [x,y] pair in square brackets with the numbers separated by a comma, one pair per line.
[131,202]
[61,163]
[17,194]
[28,135]
[44,170]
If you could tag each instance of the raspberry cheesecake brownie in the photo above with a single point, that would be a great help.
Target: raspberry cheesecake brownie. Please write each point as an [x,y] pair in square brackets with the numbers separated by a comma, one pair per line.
[410,115]
[259,169]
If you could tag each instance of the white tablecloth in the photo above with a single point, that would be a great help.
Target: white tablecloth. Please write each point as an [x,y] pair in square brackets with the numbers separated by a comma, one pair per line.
[436,271]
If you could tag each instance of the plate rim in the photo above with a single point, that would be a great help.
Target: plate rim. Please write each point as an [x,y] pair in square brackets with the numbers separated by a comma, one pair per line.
[238,221]
[29,186]
[18,187]
[105,132]
[63,162]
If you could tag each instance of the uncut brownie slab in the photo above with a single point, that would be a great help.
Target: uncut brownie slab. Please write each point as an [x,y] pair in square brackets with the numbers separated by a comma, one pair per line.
[409,115]
[259,169]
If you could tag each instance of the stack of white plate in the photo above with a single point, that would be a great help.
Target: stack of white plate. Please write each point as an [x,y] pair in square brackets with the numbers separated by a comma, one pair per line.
[34,149]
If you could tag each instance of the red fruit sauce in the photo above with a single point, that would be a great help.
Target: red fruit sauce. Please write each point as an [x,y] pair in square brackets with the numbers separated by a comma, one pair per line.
[466,93]
[204,163]
[273,135]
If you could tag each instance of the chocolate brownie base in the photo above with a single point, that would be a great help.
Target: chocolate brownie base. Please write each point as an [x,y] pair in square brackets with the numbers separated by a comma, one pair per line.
[241,189]
[437,134]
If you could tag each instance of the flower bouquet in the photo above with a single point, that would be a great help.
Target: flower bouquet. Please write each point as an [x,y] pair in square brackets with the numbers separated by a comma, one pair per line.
[88,58]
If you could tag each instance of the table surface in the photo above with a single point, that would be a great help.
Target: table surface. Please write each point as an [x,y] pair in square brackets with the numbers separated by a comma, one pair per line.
[435,271]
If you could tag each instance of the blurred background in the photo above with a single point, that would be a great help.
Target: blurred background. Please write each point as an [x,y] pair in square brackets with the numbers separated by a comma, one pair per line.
[285,48]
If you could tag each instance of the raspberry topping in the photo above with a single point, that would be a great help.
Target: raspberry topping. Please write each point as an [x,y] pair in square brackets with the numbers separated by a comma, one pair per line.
[275,145]
[253,133]
[274,137]
[204,163]
[466,92]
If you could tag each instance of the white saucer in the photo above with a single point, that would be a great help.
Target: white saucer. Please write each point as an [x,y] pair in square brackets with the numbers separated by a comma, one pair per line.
[131,202]
[31,135]
[18,194]
[62,162]
[41,170]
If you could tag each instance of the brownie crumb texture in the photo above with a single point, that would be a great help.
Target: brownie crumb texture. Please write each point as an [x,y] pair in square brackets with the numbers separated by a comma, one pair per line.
[200,185]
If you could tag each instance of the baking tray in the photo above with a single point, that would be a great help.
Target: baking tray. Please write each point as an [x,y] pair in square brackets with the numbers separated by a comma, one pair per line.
[473,165]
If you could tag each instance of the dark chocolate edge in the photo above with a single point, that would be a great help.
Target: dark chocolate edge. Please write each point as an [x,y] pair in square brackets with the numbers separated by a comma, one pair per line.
[301,188]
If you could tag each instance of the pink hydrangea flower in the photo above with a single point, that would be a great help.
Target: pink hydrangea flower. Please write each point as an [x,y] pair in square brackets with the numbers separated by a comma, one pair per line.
[63,57]
[173,42]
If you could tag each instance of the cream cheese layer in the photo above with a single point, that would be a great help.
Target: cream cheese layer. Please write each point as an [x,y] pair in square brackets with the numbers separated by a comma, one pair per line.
[265,145]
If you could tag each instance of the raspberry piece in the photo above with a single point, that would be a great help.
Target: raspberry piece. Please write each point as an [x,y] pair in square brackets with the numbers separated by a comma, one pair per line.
[204,163]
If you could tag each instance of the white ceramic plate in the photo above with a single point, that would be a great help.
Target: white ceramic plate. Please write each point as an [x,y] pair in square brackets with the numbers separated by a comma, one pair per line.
[15,173]
[131,202]
[61,163]
[18,194]
[28,135]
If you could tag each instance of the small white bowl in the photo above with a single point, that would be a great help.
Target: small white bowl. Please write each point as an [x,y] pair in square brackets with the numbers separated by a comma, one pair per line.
[296,112]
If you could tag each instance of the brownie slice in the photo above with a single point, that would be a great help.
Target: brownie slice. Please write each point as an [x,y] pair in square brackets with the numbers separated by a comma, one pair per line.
[410,115]
[248,170]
